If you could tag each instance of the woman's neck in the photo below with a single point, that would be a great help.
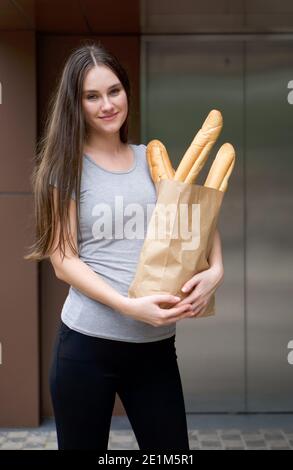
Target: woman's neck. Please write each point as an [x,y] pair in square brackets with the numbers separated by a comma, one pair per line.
[110,145]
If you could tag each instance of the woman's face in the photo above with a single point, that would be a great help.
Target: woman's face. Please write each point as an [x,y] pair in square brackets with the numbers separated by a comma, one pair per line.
[103,95]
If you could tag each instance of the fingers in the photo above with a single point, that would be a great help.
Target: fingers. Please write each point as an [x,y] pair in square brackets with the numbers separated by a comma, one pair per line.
[193,299]
[176,311]
[162,298]
[198,309]
[187,300]
[178,316]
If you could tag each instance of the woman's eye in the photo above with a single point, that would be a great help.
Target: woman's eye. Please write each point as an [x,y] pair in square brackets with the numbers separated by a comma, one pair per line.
[115,91]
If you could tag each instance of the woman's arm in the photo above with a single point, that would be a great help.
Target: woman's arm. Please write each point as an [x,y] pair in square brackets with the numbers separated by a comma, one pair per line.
[72,270]
[78,274]
[215,258]
[202,285]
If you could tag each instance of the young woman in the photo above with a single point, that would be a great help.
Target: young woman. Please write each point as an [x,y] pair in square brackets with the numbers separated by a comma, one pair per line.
[107,343]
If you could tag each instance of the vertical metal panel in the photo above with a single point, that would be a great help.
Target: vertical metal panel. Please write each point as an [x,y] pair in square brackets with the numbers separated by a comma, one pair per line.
[269,228]
[183,78]
[217,16]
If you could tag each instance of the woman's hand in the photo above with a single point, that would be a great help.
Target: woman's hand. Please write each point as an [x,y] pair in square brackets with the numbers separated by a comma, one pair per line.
[201,287]
[147,309]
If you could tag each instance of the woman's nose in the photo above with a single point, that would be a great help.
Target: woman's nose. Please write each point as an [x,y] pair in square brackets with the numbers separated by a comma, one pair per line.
[106,103]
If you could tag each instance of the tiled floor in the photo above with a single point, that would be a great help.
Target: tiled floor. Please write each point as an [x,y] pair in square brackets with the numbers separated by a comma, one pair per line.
[206,432]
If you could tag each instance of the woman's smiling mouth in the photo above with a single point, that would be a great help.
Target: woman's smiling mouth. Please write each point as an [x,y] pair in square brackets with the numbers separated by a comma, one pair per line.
[108,118]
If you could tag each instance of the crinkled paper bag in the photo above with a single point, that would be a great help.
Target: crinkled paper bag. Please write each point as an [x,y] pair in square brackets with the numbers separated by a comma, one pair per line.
[178,240]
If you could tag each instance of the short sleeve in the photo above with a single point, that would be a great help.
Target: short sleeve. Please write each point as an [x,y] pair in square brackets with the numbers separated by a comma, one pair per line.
[53,182]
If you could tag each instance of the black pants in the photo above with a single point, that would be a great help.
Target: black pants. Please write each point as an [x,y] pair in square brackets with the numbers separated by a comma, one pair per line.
[87,371]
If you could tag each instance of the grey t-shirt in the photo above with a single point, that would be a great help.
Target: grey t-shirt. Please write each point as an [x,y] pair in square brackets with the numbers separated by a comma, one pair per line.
[115,208]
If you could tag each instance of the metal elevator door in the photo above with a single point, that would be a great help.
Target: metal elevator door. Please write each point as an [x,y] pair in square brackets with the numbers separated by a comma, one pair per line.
[235,361]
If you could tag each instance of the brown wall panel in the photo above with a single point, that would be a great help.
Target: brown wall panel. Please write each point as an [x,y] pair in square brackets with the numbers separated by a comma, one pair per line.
[17,14]
[19,368]
[17,110]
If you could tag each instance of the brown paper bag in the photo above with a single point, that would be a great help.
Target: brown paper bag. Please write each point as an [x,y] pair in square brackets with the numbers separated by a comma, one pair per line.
[178,240]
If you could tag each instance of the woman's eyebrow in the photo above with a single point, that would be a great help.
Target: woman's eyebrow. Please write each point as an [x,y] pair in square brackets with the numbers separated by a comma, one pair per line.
[91,91]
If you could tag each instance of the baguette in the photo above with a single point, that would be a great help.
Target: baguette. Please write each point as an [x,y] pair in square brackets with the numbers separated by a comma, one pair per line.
[221,168]
[158,161]
[198,151]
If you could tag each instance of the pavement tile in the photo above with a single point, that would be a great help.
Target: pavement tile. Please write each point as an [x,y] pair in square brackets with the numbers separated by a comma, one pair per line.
[209,444]
[273,436]
[228,432]
[231,437]
[233,445]
[33,448]
[17,434]
[194,446]
[255,443]
[10,445]
[51,446]
[208,437]
[251,435]
[199,439]
[234,448]
[279,446]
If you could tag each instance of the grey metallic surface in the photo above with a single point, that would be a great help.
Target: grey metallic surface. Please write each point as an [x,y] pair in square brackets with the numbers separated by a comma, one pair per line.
[236,360]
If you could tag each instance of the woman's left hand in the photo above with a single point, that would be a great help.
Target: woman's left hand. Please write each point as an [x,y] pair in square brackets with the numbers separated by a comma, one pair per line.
[201,287]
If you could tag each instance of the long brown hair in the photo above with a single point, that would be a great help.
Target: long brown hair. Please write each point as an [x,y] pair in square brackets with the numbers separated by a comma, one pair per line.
[60,149]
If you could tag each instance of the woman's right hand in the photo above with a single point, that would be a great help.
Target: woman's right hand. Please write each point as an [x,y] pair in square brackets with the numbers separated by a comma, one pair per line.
[147,309]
